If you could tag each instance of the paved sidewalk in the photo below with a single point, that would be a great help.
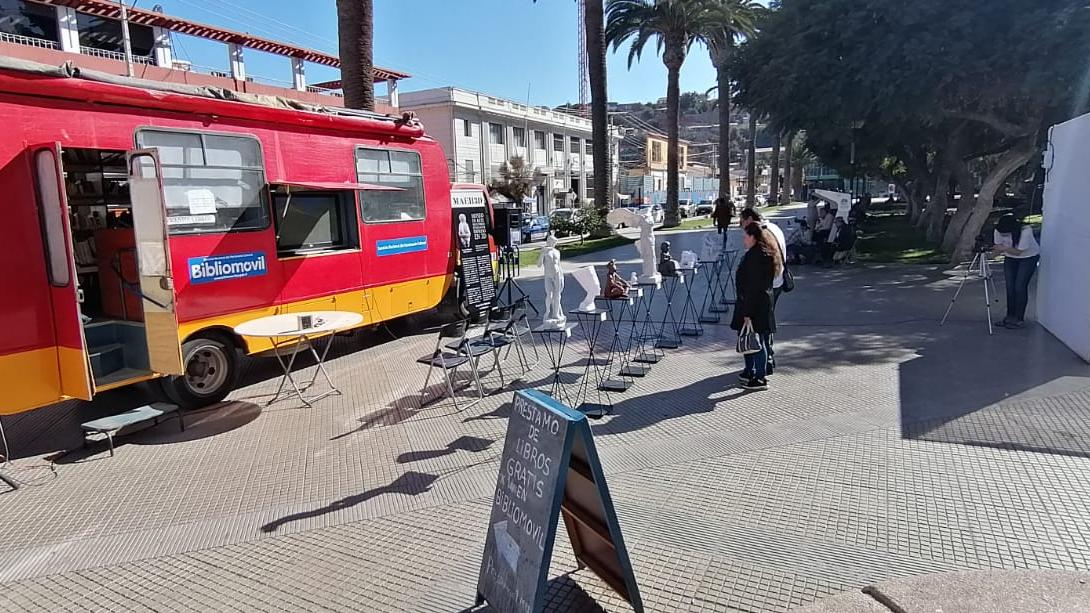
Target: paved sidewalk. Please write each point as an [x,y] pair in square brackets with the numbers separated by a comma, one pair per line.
[888,447]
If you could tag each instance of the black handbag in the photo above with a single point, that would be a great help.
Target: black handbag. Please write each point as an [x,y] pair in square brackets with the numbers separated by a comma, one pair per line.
[788,279]
[748,340]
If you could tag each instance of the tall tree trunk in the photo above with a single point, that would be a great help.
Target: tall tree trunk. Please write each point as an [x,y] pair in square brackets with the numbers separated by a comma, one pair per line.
[355,35]
[751,162]
[786,195]
[1008,163]
[722,77]
[940,201]
[965,206]
[797,174]
[600,149]
[673,119]
[774,182]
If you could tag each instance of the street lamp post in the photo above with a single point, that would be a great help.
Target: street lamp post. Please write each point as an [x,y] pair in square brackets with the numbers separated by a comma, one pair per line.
[125,40]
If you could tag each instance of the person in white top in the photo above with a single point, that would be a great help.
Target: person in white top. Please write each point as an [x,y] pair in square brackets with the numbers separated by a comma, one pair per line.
[750,216]
[1015,240]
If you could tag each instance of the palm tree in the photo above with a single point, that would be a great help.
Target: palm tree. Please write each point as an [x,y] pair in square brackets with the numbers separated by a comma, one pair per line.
[725,22]
[355,35]
[594,24]
[751,162]
[788,185]
[674,24]
[774,182]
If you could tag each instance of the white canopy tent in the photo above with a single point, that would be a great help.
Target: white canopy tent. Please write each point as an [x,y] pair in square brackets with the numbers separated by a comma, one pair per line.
[838,200]
[1063,282]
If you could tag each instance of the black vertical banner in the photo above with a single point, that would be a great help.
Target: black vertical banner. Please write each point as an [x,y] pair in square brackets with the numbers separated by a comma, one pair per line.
[470,221]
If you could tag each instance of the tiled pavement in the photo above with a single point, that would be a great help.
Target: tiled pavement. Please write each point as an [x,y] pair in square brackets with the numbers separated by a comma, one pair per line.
[887,447]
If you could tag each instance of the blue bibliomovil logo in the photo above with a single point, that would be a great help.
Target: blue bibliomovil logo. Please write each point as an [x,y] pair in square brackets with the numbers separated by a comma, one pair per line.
[223,267]
[396,246]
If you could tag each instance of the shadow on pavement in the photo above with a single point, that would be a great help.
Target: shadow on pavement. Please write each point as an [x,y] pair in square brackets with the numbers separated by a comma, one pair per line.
[463,443]
[410,484]
[561,594]
[201,423]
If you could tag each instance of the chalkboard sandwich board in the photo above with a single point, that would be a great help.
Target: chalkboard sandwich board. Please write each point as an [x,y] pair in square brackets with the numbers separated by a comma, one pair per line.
[549,469]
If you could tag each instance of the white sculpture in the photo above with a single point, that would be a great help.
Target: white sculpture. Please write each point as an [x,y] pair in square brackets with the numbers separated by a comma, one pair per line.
[646,243]
[554,285]
[710,248]
[588,280]
[688,260]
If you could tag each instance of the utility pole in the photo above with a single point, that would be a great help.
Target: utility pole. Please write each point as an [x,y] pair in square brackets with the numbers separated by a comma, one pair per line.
[125,40]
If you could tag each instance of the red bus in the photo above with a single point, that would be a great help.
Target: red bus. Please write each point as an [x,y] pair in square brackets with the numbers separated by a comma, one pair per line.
[145,224]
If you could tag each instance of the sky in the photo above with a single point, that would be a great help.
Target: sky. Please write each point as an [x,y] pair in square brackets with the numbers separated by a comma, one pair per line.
[515,49]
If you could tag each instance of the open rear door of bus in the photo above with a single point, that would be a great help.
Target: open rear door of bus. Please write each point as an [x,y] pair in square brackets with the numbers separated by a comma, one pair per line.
[153,261]
[73,372]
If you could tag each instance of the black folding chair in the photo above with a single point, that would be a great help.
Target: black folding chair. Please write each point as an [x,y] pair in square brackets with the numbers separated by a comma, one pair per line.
[449,360]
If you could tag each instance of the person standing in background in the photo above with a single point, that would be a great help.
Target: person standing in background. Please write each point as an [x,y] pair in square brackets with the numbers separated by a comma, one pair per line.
[722,214]
[1015,240]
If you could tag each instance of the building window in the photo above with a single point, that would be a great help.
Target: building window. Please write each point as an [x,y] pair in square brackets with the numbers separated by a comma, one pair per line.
[495,134]
[396,169]
[105,34]
[519,135]
[310,222]
[470,170]
[467,128]
[558,143]
[589,147]
[51,213]
[211,182]
[539,139]
[656,152]
[574,145]
[29,19]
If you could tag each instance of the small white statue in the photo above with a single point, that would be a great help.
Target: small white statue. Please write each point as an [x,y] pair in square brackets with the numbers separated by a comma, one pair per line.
[634,279]
[688,260]
[587,278]
[554,285]
[710,248]
[646,243]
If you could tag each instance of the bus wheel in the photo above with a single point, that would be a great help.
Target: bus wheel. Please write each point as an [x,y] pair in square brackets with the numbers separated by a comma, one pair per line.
[211,371]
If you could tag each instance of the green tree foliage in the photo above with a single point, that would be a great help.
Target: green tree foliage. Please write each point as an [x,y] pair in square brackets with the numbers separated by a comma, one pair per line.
[925,89]
[674,25]
[516,180]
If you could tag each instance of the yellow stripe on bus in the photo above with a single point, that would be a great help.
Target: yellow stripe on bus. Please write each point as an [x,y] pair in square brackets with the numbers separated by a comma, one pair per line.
[29,379]
[376,304]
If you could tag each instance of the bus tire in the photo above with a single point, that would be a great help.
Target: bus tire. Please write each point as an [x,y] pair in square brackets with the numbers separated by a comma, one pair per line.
[211,364]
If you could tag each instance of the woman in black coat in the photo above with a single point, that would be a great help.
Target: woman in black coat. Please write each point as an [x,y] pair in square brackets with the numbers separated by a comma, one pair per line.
[753,288]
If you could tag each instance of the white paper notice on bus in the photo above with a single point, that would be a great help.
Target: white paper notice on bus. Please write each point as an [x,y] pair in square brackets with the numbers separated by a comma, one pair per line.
[191,220]
[201,201]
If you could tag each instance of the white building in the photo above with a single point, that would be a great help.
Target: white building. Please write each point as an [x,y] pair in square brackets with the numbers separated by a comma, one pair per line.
[479,132]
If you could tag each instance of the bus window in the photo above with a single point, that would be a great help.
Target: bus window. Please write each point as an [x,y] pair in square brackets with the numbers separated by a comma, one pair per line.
[394,168]
[212,182]
[51,210]
[314,222]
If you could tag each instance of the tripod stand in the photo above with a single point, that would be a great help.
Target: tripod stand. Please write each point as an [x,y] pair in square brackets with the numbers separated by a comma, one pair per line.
[978,268]
[509,269]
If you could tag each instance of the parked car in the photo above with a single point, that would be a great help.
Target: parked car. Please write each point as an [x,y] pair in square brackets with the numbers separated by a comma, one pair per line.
[706,207]
[656,211]
[686,208]
[535,228]
[558,221]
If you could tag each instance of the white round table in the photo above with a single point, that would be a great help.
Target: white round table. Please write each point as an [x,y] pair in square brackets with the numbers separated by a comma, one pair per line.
[285,330]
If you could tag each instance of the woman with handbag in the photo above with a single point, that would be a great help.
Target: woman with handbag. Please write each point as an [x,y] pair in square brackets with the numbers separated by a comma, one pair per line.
[753,315]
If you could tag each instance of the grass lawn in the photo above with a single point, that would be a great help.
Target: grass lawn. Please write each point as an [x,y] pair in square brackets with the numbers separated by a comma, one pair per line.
[529,256]
[890,238]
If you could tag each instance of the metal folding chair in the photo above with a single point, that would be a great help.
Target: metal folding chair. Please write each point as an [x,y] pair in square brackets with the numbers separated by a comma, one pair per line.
[449,360]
